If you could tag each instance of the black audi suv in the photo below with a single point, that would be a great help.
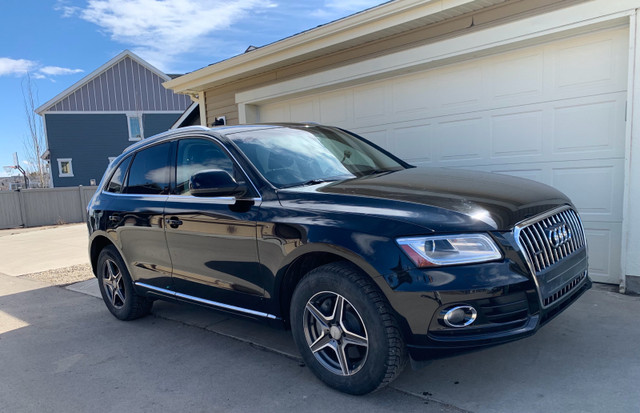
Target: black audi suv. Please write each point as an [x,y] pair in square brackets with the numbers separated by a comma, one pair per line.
[367,259]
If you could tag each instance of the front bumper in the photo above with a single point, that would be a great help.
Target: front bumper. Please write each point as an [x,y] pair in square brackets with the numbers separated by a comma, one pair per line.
[511,303]
[441,344]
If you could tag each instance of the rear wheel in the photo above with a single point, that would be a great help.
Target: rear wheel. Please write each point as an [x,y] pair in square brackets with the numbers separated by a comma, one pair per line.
[345,330]
[117,289]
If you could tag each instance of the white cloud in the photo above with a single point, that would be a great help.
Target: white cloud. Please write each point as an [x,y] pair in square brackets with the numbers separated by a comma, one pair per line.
[160,30]
[341,8]
[57,71]
[19,67]
[10,66]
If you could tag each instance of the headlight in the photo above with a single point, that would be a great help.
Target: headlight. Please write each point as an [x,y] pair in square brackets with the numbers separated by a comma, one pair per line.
[450,249]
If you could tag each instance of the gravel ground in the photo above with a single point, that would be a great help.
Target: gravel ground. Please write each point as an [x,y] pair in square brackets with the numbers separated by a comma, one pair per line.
[63,276]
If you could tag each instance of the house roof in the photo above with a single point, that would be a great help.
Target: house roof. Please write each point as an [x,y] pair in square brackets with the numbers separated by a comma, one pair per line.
[85,80]
[378,22]
[188,116]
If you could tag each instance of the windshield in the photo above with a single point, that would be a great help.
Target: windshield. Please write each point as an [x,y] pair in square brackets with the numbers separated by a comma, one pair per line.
[289,157]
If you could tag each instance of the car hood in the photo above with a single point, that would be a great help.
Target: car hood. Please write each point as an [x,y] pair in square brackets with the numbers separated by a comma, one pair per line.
[439,199]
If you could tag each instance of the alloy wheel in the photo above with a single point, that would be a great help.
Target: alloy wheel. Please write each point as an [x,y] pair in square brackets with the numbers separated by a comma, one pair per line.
[335,333]
[113,284]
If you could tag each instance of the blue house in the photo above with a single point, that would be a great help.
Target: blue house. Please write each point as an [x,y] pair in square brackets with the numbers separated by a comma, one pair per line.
[91,122]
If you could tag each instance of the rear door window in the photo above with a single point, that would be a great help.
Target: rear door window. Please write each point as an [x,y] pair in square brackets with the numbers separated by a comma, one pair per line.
[149,172]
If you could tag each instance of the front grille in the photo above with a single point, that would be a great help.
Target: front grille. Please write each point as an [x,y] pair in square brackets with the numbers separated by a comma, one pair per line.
[537,244]
[565,290]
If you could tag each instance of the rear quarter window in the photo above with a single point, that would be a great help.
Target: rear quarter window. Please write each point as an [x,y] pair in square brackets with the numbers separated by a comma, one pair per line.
[116,183]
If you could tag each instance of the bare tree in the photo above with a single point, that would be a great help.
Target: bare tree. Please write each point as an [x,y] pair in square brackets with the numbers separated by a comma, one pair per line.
[34,143]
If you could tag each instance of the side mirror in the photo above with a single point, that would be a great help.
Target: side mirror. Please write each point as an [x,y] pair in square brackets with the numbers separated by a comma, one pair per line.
[215,182]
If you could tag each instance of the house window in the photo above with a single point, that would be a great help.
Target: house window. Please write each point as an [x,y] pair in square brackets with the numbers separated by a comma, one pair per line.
[135,127]
[64,167]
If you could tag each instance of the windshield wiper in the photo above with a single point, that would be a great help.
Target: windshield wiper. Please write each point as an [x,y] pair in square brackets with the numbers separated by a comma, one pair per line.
[377,171]
[311,182]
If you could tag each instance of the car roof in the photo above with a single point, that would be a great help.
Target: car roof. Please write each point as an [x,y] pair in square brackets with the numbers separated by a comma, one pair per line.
[218,131]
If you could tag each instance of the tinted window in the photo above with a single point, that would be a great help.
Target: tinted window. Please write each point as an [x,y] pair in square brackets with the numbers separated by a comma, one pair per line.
[117,179]
[149,172]
[195,155]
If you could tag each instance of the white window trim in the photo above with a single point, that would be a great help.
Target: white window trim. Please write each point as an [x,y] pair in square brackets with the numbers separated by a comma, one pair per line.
[139,116]
[62,175]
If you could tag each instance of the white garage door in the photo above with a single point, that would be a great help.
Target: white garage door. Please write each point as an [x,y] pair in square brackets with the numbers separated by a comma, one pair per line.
[554,113]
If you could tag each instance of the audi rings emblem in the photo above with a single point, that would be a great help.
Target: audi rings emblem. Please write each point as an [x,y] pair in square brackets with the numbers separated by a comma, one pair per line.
[558,234]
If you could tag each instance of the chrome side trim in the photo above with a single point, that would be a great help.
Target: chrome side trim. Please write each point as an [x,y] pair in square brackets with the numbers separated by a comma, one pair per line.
[118,194]
[207,302]
[221,200]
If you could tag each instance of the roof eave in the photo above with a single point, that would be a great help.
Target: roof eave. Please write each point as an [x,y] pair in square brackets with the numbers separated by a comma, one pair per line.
[382,17]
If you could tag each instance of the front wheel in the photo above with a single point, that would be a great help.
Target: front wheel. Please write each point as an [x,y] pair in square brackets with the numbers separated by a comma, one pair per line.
[345,330]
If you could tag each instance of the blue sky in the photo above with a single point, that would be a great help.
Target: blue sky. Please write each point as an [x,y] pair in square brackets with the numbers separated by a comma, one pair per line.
[58,42]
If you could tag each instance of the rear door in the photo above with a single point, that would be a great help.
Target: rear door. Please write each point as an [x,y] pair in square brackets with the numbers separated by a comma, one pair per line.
[133,205]
[212,240]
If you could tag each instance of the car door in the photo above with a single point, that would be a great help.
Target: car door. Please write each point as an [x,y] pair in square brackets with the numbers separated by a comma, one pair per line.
[132,207]
[212,240]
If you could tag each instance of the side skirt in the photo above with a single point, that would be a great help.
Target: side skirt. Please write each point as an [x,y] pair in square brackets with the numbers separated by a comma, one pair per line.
[163,293]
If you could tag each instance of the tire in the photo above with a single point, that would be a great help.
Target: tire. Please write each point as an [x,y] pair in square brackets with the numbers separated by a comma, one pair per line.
[345,330]
[117,289]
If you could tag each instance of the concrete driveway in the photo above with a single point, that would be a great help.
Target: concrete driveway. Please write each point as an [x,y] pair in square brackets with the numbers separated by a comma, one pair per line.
[67,352]
[30,250]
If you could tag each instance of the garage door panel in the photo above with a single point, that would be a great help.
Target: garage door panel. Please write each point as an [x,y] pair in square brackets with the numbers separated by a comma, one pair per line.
[275,113]
[369,104]
[302,111]
[517,75]
[596,189]
[413,143]
[604,245]
[458,88]
[517,134]
[590,125]
[590,63]
[411,95]
[461,140]
[334,108]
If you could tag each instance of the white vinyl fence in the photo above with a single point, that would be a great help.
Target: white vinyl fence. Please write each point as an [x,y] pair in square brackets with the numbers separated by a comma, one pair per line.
[48,206]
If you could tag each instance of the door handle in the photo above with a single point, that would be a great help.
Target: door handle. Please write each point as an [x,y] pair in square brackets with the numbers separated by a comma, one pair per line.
[173,222]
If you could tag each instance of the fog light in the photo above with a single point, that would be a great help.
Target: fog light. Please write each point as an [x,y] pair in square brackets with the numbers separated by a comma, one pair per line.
[460,316]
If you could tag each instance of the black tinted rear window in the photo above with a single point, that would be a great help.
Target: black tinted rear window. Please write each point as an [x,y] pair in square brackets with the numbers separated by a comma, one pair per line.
[149,172]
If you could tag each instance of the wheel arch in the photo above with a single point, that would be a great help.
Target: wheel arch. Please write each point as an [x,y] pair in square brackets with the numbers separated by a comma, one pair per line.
[309,260]
[98,243]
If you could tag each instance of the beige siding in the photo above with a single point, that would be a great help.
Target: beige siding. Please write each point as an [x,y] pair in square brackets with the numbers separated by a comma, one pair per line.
[220,100]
